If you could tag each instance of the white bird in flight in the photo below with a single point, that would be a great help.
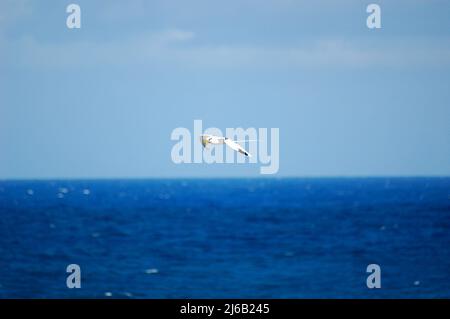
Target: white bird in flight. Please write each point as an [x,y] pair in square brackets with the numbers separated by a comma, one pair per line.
[207,139]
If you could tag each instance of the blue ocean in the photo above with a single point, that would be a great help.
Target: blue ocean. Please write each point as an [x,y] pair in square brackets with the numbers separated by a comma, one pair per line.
[223,238]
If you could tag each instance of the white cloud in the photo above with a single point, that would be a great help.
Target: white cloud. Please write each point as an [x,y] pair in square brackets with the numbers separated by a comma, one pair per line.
[178,47]
[173,35]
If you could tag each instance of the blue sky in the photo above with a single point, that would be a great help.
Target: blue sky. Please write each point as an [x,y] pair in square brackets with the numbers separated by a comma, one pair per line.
[102,101]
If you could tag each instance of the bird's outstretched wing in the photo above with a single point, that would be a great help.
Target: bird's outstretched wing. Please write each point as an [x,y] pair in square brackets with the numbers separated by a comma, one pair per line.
[235,146]
[239,141]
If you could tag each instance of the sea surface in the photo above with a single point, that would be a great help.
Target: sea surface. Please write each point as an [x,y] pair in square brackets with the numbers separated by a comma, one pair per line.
[220,238]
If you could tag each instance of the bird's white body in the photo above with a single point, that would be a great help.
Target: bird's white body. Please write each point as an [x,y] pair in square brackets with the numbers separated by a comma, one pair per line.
[212,139]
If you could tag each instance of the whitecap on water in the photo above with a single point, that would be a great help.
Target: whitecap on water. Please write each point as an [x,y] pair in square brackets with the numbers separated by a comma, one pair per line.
[30,192]
[60,195]
[63,190]
[416,283]
[151,271]
[108,294]
[86,191]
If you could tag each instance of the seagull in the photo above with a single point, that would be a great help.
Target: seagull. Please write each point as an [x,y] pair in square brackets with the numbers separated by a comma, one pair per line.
[207,139]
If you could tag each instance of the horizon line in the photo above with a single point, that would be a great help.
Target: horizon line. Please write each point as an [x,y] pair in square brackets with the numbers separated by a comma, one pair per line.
[221,177]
